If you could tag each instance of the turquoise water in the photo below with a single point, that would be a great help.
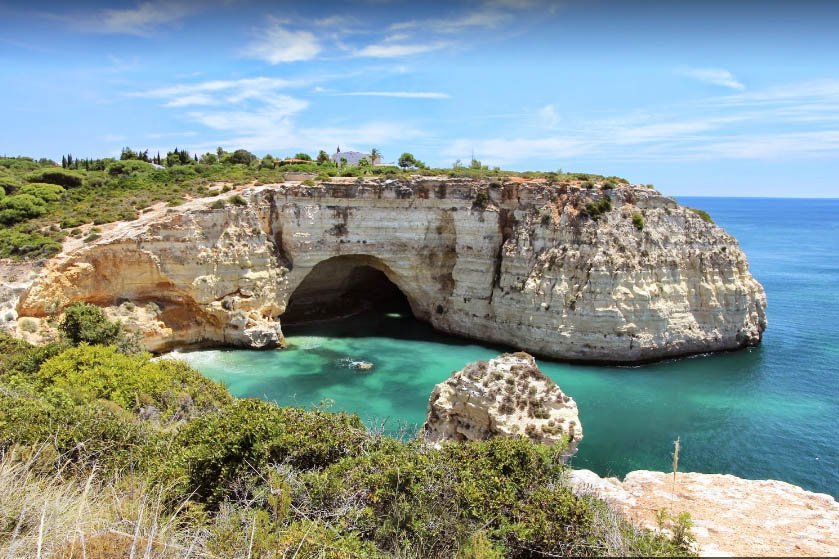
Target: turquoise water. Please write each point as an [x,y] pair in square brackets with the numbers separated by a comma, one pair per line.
[767,412]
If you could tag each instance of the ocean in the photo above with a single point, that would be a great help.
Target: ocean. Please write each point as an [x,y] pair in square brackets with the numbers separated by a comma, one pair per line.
[770,412]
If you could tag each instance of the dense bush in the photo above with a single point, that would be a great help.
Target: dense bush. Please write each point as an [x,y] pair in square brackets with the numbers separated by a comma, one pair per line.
[638,221]
[20,207]
[220,449]
[61,177]
[86,323]
[597,208]
[706,217]
[45,191]
[168,389]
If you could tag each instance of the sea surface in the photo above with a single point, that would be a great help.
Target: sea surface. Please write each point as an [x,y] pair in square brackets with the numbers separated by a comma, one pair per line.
[770,412]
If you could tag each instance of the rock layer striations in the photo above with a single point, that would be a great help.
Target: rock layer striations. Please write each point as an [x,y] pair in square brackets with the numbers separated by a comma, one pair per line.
[557,270]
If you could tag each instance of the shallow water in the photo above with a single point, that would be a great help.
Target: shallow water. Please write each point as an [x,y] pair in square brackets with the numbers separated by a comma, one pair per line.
[767,412]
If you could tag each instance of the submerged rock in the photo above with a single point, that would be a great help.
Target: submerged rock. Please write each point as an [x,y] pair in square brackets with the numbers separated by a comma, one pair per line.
[731,516]
[507,396]
[361,365]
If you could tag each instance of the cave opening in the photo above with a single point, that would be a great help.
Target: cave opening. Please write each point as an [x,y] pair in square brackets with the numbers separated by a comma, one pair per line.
[343,286]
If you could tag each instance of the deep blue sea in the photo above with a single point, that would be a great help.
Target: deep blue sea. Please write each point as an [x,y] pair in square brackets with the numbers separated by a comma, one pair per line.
[770,412]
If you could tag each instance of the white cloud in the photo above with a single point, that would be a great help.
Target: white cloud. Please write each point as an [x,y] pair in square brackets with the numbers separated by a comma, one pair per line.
[142,19]
[487,19]
[793,121]
[278,44]
[387,50]
[548,116]
[400,94]
[187,100]
[713,76]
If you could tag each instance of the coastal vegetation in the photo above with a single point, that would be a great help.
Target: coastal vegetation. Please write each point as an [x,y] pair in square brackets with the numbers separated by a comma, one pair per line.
[42,202]
[105,448]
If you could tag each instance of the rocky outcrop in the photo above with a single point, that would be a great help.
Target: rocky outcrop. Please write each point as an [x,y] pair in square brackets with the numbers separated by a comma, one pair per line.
[554,269]
[731,516]
[507,397]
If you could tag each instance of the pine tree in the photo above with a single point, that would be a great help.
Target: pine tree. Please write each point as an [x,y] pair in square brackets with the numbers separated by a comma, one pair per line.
[63,162]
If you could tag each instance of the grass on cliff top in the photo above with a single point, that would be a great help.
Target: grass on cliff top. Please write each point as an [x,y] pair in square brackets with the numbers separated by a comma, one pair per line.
[41,203]
[103,451]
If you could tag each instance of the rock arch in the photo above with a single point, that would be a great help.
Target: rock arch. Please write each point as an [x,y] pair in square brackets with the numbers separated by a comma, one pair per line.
[346,284]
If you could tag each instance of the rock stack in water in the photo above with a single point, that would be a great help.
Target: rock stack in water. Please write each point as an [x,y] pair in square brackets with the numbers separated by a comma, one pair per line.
[507,396]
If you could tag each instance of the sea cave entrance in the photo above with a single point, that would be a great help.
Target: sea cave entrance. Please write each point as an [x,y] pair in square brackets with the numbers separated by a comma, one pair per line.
[343,286]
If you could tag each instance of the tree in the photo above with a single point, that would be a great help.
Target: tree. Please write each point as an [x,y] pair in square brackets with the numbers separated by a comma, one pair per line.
[242,156]
[475,164]
[375,156]
[209,158]
[364,162]
[343,162]
[302,155]
[323,157]
[407,160]
[86,323]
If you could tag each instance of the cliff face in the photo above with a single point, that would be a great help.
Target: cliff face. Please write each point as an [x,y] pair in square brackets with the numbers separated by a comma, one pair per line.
[515,262]
[508,397]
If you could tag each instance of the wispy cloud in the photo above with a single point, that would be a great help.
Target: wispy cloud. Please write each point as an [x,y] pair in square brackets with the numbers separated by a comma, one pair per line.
[547,116]
[142,19]
[399,94]
[487,19]
[277,44]
[776,122]
[713,76]
[395,50]
[218,91]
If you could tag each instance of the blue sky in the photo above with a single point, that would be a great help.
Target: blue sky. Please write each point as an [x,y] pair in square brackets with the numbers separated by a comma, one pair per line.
[699,98]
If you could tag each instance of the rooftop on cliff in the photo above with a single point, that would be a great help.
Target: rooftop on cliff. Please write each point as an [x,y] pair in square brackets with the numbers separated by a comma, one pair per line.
[42,202]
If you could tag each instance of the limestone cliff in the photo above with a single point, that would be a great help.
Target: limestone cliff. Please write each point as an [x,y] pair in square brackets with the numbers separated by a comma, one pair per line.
[504,397]
[731,516]
[524,263]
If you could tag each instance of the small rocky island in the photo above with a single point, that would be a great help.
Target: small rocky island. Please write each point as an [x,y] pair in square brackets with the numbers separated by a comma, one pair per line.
[507,396]
[574,270]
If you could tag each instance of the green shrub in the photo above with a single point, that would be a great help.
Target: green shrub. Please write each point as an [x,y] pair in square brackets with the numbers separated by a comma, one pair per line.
[92,237]
[217,205]
[86,373]
[86,323]
[706,217]
[237,200]
[638,221]
[597,208]
[15,243]
[44,191]
[20,207]
[220,449]
[61,177]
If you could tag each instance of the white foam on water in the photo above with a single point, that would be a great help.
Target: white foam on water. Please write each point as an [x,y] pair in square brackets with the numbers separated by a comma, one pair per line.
[306,342]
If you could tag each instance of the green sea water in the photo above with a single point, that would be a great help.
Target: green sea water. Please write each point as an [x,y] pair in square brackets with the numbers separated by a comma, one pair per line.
[766,412]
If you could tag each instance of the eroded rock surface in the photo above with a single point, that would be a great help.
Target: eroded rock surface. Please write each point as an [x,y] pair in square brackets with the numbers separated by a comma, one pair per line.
[516,262]
[507,396]
[731,516]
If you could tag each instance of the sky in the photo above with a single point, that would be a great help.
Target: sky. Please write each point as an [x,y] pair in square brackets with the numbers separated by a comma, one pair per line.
[716,98]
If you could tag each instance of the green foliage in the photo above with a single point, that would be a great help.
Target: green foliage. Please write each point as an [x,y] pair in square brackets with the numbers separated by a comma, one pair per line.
[240,157]
[86,323]
[302,155]
[597,208]
[217,205]
[20,207]
[127,168]
[86,373]
[638,221]
[407,160]
[61,177]
[219,449]
[706,217]
[15,243]
[237,200]
[323,158]
[44,191]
